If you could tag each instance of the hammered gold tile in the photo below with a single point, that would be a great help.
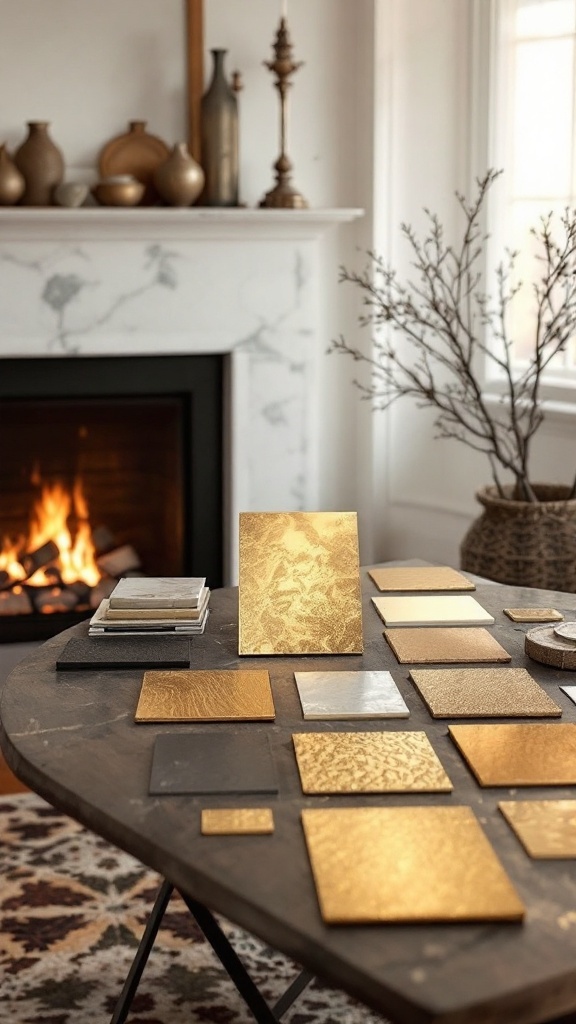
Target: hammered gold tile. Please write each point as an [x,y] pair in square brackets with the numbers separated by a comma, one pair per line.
[205,696]
[519,754]
[430,577]
[299,583]
[431,610]
[424,645]
[237,821]
[377,864]
[546,828]
[483,693]
[533,614]
[368,762]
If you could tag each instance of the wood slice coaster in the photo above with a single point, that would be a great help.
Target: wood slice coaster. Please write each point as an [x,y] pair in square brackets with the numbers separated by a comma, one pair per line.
[542,644]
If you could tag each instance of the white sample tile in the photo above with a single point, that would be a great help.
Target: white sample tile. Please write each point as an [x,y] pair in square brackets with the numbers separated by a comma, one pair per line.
[432,610]
[570,691]
[349,695]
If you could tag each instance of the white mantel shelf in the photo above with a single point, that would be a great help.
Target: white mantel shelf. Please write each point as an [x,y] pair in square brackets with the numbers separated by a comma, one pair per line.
[165,223]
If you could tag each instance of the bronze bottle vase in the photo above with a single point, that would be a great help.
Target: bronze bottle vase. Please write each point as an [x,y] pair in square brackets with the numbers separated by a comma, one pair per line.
[219,138]
[41,163]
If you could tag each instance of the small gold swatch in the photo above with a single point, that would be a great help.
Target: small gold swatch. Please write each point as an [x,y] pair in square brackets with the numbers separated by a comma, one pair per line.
[376,864]
[546,828]
[299,583]
[424,645]
[429,577]
[431,610]
[533,614]
[483,692]
[237,821]
[186,695]
[519,754]
[369,762]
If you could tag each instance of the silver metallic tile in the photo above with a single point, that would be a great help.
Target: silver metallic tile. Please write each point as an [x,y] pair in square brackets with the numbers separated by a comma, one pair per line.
[349,695]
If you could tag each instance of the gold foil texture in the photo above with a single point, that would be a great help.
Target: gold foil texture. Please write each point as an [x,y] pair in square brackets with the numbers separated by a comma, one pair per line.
[482,693]
[519,754]
[424,645]
[238,821]
[185,695]
[430,577]
[546,828]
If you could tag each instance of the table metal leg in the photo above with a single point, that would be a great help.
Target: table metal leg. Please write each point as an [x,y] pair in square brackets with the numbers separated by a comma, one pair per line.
[143,952]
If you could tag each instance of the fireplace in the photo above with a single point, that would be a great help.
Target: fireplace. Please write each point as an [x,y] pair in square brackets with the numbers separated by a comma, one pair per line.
[136,445]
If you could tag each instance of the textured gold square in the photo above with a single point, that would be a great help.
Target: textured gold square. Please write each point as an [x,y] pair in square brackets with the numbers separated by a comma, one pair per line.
[431,610]
[519,754]
[299,583]
[424,645]
[185,695]
[430,577]
[483,692]
[368,762]
[546,828]
[237,821]
[533,614]
[374,864]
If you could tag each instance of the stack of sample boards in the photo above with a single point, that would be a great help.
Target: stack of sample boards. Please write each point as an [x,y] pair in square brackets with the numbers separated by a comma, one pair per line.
[153,606]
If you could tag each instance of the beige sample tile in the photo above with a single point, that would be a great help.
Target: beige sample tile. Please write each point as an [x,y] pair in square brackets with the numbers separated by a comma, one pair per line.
[482,693]
[187,695]
[432,610]
[377,864]
[237,821]
[519,754]
[429,577]
[533,614]
[425,645]
[546,828]
[299,583]
[369,762]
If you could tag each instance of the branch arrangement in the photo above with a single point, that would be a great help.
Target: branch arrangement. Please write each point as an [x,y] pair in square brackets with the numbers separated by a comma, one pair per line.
[452,330]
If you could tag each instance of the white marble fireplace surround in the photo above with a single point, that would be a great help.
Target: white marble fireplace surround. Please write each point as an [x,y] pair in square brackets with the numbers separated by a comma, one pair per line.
[245,283]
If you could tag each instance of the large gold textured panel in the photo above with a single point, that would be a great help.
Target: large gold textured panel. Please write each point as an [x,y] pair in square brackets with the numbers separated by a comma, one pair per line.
[374,864]
[238,821]
[424,645]
[369,762]
[205,696]
[483,692]
[299,583]
[519,754]
[546,828]
[430,577]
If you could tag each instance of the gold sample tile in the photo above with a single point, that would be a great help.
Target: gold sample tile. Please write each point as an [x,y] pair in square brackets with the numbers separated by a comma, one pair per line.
[519,754]
[431,610]
[483,692]
[299,583]
[237,821]
[546,828]
[376,864]
[429,577]
[368,762]
[533,614]
[186,695]
[424,645]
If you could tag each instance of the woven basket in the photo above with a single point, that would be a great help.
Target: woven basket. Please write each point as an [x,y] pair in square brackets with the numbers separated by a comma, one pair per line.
[524,543]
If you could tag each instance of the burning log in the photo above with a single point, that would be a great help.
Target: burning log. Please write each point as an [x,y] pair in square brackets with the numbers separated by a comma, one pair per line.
[15,602]
[34,560]
[120,561]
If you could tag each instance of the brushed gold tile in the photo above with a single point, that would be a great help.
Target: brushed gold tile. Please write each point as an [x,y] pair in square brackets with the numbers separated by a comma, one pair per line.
[299,583]
[424,645]
[376,864]
[519,754]
[483,692]
[238,821]
[431,610]
[546,828]
[205,696]
[430,577]
[533,614]
[369,762]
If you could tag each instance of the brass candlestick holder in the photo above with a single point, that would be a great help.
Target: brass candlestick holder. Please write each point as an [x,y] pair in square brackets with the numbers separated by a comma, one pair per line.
[283,195]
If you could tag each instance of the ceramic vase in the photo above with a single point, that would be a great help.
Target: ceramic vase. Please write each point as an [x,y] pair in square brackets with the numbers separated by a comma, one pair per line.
[180,179]
[41,163]
[219,134]
[12,183]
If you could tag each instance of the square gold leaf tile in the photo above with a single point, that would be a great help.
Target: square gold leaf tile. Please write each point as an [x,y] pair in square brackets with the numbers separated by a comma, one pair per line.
[429,577]
[299,583]
[369,762]
[186,695]
[483,693]
[406,864]
[533,614]
[425,645]
[519,754]
[546,828]
[238,821]
[431,610]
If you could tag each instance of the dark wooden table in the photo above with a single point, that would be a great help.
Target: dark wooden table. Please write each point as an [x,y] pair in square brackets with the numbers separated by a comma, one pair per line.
[72,738]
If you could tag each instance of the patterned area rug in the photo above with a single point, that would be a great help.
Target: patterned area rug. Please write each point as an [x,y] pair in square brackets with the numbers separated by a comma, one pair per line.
[72,911]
